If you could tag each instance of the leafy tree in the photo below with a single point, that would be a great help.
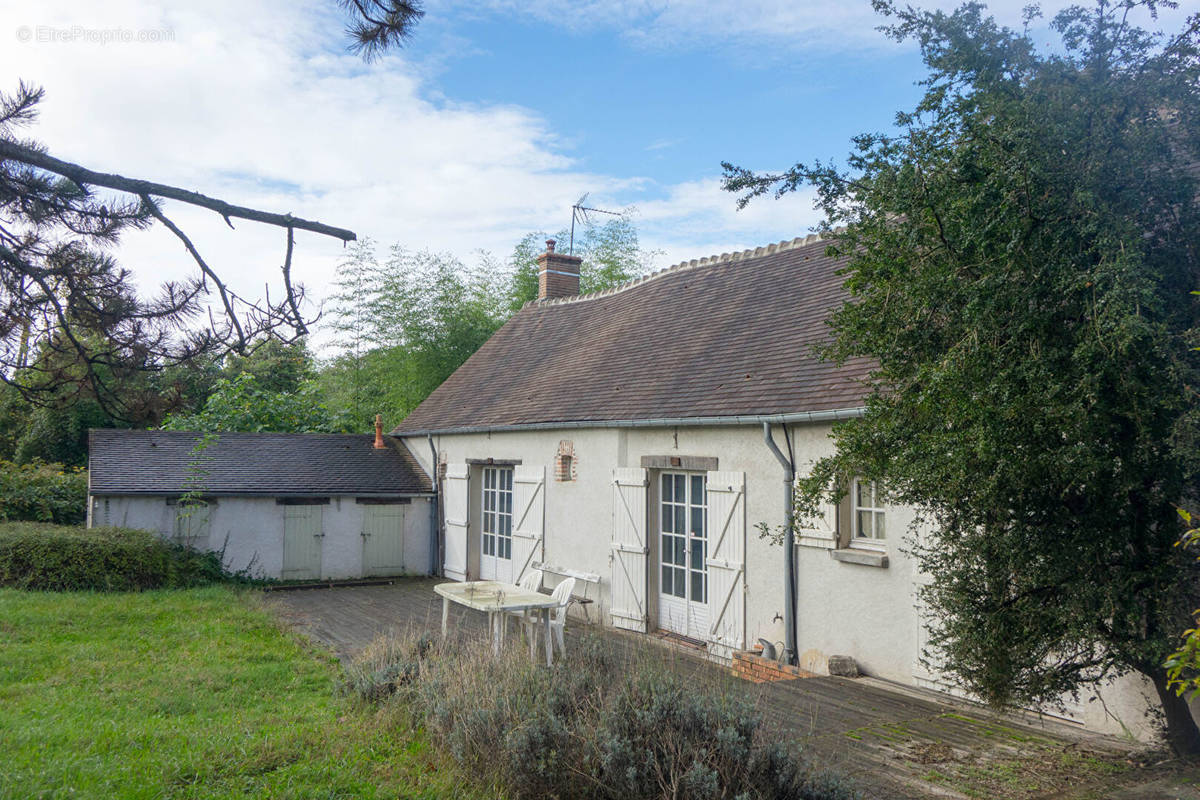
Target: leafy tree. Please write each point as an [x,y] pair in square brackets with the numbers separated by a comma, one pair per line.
[1183,667]
[71,319]
[277,366]
[244,404]
[1019,258]
[347,379]
[402,326]
[60,434]
[423,314]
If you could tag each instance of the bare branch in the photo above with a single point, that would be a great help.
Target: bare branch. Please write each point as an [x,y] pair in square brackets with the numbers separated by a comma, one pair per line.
[83,176]
[207,270]
[287,285]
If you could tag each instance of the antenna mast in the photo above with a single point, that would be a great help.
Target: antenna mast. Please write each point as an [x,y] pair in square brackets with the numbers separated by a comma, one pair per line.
[580,212]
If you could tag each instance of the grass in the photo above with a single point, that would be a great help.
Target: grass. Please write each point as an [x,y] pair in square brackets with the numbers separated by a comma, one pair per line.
[187,693]
[1049,771]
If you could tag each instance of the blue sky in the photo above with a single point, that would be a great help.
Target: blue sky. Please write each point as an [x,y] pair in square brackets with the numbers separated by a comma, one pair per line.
[495,119]
[671,113]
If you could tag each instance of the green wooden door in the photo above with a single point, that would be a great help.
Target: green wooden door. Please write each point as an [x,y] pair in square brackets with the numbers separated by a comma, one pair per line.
[302,537]
[383,540]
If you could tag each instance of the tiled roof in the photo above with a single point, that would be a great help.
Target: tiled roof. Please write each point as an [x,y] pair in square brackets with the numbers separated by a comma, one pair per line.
[730,335]
[275,464]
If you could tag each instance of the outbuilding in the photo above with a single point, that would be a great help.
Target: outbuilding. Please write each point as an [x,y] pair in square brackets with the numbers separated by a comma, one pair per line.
[275,505]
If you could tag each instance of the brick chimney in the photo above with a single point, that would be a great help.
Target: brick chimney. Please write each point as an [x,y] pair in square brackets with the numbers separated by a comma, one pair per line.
[558,274]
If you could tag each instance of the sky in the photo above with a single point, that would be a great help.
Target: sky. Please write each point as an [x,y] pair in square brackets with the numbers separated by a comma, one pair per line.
[489,124]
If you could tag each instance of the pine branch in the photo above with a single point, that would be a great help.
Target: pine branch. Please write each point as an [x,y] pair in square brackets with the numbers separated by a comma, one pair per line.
[83,176]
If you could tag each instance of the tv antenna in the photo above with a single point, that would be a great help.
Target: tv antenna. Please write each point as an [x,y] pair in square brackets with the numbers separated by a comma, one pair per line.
[580,212]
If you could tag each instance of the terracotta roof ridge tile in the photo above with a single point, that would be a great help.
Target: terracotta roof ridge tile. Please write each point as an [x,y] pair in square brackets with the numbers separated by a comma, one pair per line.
[707,261]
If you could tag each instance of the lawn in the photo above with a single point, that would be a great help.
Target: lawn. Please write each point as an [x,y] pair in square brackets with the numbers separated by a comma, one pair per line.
[187,693]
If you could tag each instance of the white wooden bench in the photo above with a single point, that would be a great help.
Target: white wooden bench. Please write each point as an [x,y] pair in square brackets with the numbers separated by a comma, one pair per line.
[582,581]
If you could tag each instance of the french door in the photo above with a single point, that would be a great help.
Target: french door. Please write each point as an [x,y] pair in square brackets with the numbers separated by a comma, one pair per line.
[683,550]
[495,540]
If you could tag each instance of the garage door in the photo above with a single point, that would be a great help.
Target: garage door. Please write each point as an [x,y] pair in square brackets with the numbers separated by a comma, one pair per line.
[383,540]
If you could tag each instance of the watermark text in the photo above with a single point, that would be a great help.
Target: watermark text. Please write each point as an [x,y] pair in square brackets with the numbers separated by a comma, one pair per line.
[81,34]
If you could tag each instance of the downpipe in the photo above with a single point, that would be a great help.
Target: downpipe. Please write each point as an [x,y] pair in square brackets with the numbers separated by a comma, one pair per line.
[435,538]
[789,534]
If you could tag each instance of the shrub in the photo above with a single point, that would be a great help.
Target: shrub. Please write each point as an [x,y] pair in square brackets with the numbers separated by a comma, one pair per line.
[608,721]
[41,492]
[66,558]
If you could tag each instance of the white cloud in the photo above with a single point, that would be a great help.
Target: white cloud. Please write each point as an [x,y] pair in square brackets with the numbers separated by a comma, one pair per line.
[257,103]
[712,224]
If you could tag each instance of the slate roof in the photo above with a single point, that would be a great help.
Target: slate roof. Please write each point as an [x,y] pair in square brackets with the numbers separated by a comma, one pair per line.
[271,464]
[725,336]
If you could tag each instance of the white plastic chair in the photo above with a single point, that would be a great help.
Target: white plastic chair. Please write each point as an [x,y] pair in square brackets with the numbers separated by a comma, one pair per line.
[558,614]
[531,581]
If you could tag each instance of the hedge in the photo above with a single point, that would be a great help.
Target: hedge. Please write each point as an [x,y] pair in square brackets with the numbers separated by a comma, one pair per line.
[41,492]
[65,558]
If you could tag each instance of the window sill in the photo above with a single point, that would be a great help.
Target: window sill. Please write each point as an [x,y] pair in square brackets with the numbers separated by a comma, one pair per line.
[868,558]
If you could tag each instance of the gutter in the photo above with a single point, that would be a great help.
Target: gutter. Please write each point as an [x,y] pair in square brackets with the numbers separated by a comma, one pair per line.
[340,493]
[789,537]
[660,422]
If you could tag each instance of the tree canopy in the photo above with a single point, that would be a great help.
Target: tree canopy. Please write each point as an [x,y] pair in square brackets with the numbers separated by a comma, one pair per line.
[1019,257]
[405,323]
[72,322]
[245,404]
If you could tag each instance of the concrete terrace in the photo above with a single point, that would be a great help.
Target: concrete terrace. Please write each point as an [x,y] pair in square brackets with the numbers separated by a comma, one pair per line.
[897,743]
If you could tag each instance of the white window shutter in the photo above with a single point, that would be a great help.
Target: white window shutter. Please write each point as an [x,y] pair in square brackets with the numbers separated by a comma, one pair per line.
[629,549]
[821,530]
[529,512]
[726,563]
[455,499]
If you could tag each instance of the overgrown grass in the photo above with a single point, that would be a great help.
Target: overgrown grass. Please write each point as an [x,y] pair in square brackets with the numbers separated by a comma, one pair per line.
[187,693]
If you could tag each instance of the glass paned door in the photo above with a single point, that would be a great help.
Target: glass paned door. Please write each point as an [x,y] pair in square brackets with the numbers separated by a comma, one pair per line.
[495,560]
[683,548]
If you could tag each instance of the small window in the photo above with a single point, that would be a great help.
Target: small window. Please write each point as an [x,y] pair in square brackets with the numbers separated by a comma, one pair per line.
[867,515]
[192,521]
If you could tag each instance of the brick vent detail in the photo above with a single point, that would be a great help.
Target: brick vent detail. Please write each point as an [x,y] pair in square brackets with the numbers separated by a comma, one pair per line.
[749,665]
[564,461]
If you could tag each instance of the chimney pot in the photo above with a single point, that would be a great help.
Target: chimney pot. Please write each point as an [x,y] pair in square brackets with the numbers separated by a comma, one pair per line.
[379,445]
[550,245]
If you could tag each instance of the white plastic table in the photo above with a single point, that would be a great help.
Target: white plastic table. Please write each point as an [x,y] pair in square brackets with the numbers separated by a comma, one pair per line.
[497,599]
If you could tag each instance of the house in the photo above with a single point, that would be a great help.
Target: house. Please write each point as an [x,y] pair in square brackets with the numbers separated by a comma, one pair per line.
[286,506]
[633,433]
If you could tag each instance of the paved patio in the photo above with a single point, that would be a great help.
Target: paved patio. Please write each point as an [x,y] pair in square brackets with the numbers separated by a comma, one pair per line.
[898,743]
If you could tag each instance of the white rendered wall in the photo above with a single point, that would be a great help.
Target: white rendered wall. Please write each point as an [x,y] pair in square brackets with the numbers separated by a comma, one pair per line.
[866,612]
[249,531]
